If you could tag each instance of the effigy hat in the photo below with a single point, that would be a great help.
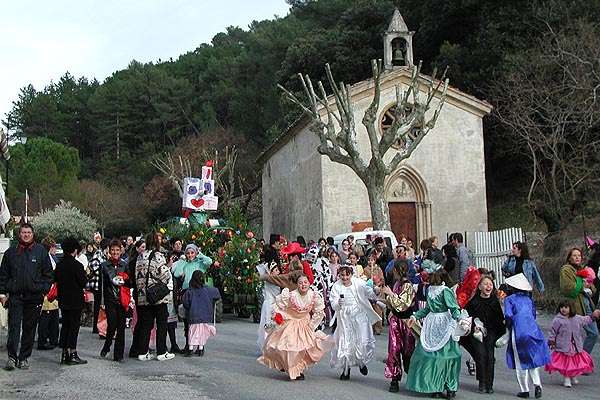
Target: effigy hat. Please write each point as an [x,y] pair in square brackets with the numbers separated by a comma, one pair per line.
[519,281]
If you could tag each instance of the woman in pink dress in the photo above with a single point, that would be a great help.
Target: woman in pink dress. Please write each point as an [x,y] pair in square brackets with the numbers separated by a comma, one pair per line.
[293,345]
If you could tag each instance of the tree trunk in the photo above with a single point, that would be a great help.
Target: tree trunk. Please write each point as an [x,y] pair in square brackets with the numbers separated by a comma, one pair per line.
[380,212]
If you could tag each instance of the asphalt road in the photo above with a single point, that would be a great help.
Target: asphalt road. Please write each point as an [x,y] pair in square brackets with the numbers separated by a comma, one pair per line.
[229,371]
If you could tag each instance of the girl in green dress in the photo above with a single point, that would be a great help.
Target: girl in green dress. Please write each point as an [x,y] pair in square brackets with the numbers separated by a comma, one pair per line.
[435,363]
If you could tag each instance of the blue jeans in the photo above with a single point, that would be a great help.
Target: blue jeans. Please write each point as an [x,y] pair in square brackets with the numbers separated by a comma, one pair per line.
[591,330]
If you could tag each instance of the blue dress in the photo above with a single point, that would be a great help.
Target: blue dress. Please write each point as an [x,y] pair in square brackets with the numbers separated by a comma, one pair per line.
[525,335]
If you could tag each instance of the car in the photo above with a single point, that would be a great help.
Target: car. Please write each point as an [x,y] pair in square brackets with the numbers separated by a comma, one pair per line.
[361,238]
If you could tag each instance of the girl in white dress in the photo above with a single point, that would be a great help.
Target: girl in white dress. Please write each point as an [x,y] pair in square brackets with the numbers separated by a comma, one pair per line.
[351,298]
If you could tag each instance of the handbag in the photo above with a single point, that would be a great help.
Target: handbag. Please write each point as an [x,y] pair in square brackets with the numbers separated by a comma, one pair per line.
[158,290]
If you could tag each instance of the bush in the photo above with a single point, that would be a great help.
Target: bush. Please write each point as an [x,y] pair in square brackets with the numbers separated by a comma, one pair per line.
[63,221]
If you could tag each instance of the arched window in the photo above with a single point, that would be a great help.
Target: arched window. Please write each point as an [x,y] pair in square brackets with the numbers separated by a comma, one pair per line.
[388,117]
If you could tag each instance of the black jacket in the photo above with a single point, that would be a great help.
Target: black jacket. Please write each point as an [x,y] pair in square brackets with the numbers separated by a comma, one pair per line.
[110,291]
[70,281]
[28,275]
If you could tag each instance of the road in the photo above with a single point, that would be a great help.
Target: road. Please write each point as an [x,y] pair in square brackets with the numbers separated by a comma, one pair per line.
[229,371]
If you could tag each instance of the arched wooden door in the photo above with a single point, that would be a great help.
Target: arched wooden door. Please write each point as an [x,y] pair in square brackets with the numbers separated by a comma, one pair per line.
[403,219]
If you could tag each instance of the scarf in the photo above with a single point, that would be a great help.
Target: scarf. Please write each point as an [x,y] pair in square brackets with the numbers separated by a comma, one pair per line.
[22,247]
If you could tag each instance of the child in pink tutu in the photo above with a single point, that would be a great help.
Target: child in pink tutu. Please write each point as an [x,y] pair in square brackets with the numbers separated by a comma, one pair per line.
[198,302]
[566,340]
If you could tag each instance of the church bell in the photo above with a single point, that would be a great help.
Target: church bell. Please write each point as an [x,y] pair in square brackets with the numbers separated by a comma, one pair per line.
[398,56]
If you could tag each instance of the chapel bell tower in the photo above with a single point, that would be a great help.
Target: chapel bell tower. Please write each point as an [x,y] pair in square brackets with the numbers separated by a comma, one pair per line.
[397,43]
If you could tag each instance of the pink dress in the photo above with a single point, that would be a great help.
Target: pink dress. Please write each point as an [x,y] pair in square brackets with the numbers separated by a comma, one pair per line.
[294,345]
[199,334]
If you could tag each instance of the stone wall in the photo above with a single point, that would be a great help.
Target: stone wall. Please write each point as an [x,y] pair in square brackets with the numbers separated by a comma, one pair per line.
[291,189]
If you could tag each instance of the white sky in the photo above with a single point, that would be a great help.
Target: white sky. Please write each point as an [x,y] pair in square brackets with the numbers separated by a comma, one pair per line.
[41,40]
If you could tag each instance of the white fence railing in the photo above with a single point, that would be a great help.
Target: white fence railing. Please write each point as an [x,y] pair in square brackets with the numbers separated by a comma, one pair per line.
[491,248]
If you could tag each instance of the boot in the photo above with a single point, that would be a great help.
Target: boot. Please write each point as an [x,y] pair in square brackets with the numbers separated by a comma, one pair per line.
[481,387]
[394,386]
[75,360]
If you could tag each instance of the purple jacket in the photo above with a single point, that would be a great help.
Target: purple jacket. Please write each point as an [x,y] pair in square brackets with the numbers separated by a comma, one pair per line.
[567,333]
[199,304]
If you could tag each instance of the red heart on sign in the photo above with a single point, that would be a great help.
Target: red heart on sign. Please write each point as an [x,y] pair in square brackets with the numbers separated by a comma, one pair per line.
[197,202]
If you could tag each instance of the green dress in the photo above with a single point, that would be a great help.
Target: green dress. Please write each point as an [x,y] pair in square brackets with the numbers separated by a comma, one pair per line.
[436,371]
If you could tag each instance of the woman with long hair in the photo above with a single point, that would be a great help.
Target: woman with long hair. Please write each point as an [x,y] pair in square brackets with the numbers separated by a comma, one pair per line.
[581,292]
[520,262]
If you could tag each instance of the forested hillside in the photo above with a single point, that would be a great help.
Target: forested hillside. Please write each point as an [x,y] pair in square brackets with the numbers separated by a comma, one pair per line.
[227,89]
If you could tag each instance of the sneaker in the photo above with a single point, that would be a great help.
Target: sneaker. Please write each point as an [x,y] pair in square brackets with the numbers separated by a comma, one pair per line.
[567,383]
[575,381]
[11,364]
[166,356]
[364,370]
[538,392]
[146,357]
[523,395]
[23,364]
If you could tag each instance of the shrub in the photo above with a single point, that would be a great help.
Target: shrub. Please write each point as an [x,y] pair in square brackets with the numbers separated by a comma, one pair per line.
[63,221]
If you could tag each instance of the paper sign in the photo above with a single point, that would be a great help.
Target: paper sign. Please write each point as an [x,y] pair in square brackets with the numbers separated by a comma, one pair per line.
[207,172]
[208,186]
[192,192]
[211,202]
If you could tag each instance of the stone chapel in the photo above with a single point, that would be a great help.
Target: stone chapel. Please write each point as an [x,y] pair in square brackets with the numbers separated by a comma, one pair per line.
[441,188]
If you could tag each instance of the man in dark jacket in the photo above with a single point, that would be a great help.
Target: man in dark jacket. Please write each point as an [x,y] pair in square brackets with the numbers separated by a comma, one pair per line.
[25,278]
[70,282]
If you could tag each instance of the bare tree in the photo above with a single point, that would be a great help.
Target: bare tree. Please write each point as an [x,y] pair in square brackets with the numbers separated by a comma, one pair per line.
[550,102]
[333,122]
[232,181]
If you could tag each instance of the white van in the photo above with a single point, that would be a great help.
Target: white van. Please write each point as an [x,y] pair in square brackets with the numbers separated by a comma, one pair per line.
[361,238]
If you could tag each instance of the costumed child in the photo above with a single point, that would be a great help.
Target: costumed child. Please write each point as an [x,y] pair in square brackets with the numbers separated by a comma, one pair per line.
[376,280]
[566,340]
[464,292]
[357,269]
[294,251]
[435,363]
[199,303]
[269,292]
[527,350]
[293,344]
[323,281]
[488,327]
[401,340]
[351,299]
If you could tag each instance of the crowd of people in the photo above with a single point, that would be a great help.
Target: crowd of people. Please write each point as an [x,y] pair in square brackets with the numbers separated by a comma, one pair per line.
[318,298]
[141,284]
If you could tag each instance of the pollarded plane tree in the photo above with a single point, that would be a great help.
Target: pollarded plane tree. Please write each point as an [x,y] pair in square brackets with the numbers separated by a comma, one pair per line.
[333,121]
